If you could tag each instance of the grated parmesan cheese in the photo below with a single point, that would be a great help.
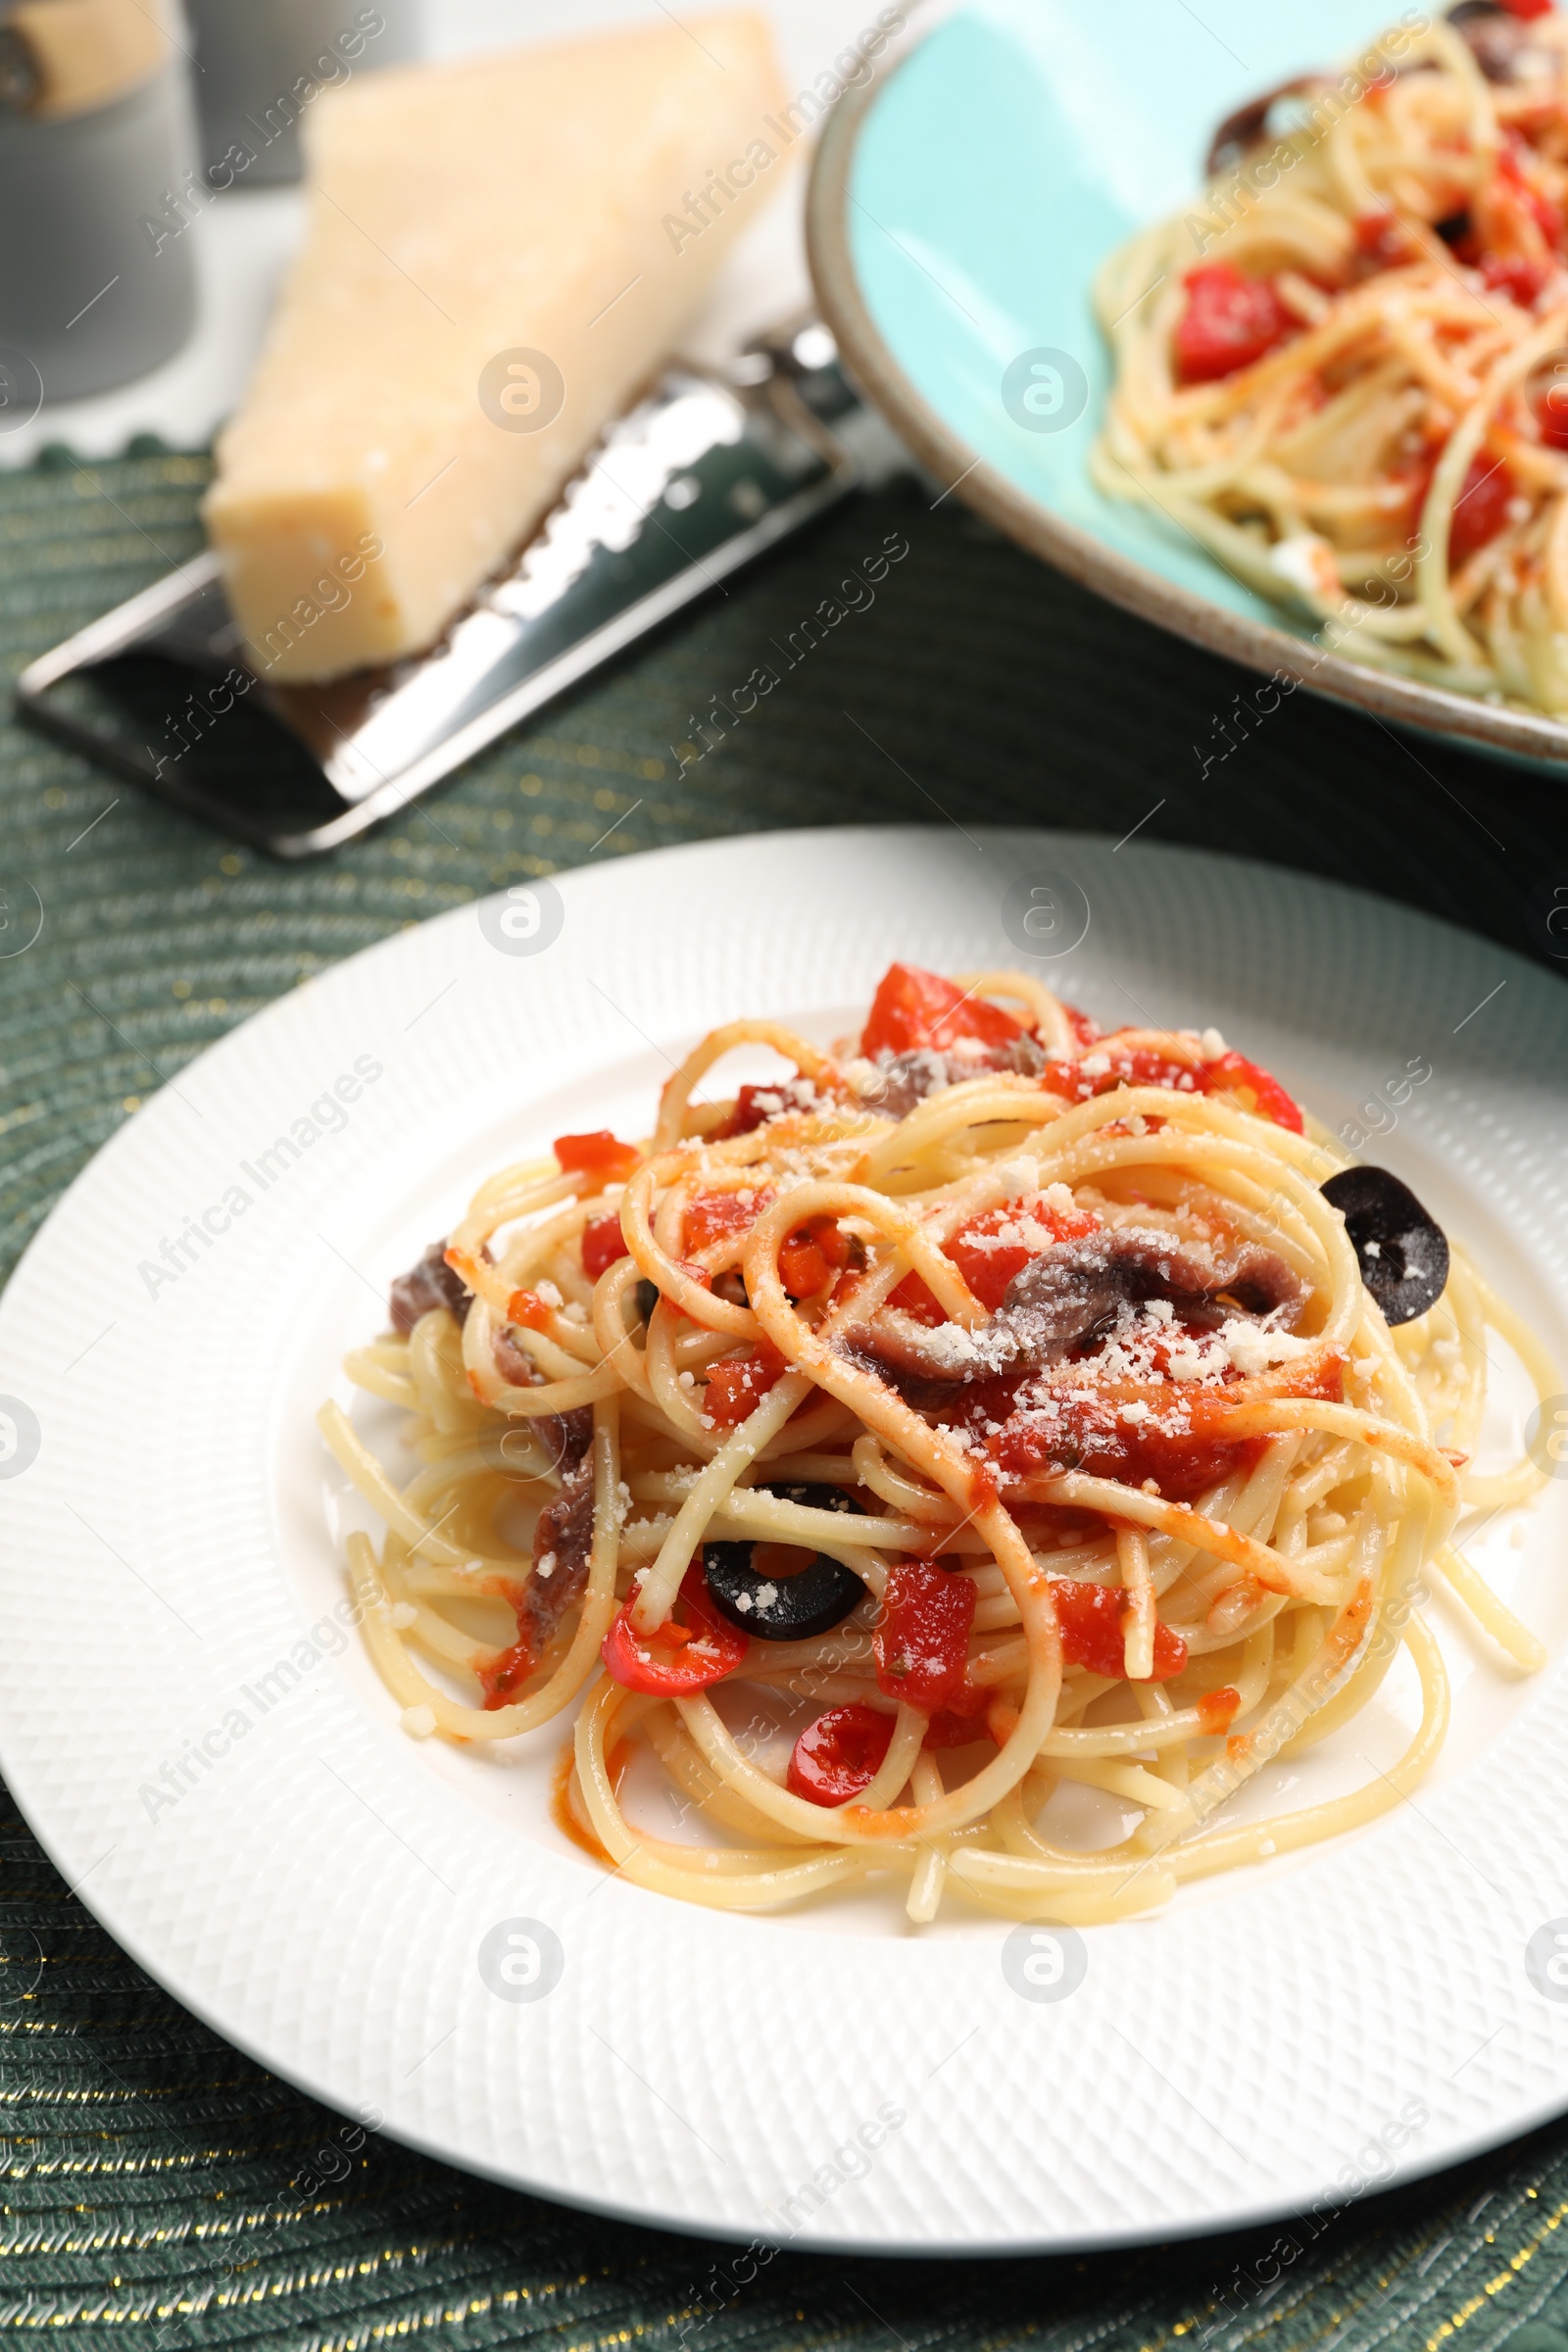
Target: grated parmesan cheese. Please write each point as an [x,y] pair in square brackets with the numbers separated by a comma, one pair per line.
[950,1346]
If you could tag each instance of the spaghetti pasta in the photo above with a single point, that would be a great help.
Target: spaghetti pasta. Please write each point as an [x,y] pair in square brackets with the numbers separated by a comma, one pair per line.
[987,1406]
[1346,372]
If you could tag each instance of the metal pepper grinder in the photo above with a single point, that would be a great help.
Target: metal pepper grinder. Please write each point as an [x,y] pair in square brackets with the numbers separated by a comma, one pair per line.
[97,142]
[262,64]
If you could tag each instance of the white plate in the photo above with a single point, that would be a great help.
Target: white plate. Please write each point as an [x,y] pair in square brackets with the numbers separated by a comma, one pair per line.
[319,1888]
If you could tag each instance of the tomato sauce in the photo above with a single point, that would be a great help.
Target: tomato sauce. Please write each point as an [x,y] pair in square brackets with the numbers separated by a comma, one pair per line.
[1093,1619]
[1217,1711]
[921,1640]
[564,1813]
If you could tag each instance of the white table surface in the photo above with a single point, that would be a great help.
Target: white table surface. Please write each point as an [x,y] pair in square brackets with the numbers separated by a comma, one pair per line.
[244,239]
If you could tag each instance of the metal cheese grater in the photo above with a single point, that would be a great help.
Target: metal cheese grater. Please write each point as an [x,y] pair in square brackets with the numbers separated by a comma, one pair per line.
[707,472]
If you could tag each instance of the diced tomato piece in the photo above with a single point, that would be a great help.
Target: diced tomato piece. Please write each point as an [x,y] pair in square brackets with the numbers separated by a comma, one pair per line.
[1481,509]
[963,1723]
[737,1385]
[1147,1065]
[922,1635]
[811,1255]
[1116,1064]
[1380,240]
[527,1308]
[989,1262]
[914,1010]
[1234,1074]
[1181,1446]
[679,1659]
[840,1754]
[1520,280]
[1084,1026]
[753,1106]
[718,1216]
[1229,322]
[604,1246]
[1529,9]
[599,1154]
[1093,1634]
[916,1298]
[1084,1433]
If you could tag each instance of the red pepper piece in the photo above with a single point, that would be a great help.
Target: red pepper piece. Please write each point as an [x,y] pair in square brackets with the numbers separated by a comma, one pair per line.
[840,1754]
[679,1659]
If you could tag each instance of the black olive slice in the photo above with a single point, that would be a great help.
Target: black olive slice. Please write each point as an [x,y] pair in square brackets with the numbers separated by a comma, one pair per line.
[1404,1251]
[796,1608]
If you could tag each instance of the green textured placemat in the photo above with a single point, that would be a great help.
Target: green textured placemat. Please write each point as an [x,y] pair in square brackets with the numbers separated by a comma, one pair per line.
[157,2184]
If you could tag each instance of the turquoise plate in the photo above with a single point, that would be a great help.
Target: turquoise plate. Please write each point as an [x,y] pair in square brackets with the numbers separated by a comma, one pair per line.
[962,205]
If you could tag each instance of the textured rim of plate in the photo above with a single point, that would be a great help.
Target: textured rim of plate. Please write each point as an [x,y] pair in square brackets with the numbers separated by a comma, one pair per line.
[1520,735]
[1219,2065]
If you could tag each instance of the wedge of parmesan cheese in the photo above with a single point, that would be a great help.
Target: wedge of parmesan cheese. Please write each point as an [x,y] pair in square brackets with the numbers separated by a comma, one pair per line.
[500,252]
